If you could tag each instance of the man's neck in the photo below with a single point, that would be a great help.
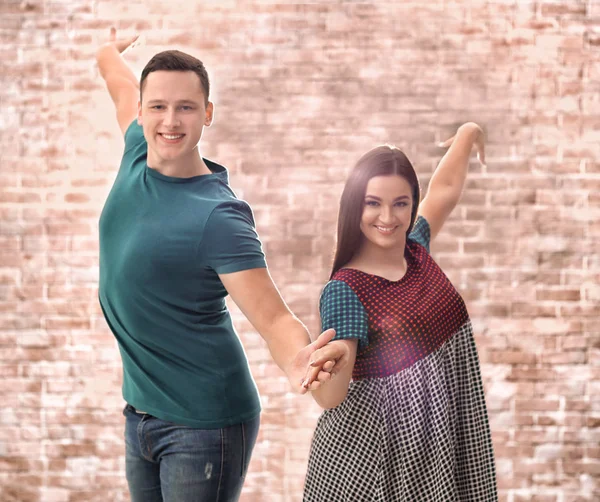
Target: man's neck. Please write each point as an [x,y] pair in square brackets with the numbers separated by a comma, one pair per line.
[179,168]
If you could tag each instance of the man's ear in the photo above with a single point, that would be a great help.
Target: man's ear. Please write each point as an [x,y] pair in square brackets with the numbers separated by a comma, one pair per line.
[210,110]
[139,117]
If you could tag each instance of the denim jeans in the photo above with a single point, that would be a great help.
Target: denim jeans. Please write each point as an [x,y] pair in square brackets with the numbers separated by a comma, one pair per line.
[166,462]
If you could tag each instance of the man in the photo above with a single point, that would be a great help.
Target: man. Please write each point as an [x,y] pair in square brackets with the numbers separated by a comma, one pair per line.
[174,241]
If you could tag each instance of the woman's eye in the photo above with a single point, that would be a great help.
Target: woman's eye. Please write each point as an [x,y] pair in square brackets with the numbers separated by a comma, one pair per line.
[372,203]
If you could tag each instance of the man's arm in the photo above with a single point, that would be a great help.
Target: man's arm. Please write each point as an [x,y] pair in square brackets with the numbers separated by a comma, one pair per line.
[122,84]
[448,180]
[255,294]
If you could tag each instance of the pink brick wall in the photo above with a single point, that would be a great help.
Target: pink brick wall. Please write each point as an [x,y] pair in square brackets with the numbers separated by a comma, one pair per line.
[301,91]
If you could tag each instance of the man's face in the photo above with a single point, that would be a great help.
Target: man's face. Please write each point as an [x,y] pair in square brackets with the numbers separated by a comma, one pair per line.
[173,114]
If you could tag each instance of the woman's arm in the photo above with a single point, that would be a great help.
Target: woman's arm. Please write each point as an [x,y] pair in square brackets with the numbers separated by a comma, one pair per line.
[448,180]
[340,309]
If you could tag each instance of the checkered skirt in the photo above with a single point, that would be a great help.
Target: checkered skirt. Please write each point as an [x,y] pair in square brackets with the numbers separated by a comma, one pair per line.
[421,434]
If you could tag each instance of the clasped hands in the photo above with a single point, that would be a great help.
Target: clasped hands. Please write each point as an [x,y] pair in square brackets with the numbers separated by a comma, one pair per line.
[318,362]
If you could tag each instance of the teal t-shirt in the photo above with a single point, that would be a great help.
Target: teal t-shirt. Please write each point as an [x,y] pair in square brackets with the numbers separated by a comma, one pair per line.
[163,242]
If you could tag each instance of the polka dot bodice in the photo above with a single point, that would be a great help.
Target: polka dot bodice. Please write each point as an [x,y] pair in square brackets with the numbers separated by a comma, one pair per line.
[397,322]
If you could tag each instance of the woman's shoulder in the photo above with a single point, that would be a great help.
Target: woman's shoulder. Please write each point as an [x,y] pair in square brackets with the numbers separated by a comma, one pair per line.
[420,233]
[348,275]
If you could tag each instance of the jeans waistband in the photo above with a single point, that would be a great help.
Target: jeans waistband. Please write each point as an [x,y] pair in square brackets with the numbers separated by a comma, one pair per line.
[135,410]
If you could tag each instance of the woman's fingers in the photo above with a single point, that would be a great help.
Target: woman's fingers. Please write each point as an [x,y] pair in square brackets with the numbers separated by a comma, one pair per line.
[481,155]
[447,143]
[322,378]
[316,374]
[328,366]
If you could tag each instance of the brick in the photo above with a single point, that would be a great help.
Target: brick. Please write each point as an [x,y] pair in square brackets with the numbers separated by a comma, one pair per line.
[537,405]
[572,357]
[558,295]
[539,374]
[512,357]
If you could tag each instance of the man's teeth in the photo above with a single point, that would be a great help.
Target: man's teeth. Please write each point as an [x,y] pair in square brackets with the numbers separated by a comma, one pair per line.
[173,136]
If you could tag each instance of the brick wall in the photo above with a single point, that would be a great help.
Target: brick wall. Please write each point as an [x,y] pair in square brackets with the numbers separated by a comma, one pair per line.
[301,92]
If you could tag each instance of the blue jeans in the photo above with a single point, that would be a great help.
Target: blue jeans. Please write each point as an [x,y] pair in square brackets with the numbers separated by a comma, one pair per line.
[166,462]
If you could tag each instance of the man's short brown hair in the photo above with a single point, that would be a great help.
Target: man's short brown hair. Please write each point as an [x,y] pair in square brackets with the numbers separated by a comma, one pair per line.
[174,60]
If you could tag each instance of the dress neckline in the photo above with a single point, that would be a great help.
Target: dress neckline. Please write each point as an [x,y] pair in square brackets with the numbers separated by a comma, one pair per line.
[409,267]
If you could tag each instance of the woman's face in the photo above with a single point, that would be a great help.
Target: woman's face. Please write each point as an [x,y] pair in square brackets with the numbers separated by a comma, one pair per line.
[386,211]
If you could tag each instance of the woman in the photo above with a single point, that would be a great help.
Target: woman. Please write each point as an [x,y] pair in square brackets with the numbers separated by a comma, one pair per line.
[406,418]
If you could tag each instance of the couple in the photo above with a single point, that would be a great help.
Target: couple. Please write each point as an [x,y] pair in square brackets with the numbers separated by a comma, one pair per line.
[405,416]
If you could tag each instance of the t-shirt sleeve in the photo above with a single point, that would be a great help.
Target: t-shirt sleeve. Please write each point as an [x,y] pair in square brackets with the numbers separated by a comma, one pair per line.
[421,232]
[134,136]
[341,310]
[230,242]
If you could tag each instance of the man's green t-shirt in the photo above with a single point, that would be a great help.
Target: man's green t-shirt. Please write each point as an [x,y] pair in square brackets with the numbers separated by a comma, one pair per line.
[163,242]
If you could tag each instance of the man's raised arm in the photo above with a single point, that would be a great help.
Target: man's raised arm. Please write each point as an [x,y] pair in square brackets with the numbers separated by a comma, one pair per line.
[122,84]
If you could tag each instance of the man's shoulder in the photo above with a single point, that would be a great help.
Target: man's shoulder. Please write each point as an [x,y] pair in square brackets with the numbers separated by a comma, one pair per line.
[134,136]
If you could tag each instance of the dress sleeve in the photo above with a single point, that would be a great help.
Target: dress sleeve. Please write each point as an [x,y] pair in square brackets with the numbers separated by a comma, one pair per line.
[421,233]
[341,310]
[230,242]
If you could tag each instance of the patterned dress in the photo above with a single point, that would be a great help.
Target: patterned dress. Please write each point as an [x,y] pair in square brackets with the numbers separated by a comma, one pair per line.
[414,425]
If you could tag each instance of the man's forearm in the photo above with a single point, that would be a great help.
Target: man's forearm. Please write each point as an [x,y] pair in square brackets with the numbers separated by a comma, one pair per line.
[286,337]
[112,65]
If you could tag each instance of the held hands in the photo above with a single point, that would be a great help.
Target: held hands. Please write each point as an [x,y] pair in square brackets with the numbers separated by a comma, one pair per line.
[477,137]
[316,363]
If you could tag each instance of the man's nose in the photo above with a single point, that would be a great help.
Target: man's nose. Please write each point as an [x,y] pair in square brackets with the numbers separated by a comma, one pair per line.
[170,119]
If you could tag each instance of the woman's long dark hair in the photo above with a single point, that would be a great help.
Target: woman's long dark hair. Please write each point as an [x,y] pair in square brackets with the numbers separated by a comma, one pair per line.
[380,161]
